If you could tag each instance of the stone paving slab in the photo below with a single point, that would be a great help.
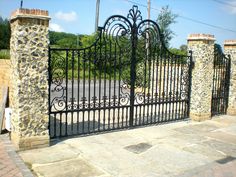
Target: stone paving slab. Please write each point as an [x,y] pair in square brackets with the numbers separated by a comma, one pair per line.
[183,149]
[75,167]
[52,154]
[212,170]
[223,136]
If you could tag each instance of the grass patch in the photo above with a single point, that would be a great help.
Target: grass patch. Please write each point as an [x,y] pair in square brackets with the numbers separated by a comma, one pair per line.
[5,54]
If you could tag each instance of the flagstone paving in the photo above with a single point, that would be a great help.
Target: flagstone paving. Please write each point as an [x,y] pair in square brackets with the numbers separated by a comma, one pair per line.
[176,149]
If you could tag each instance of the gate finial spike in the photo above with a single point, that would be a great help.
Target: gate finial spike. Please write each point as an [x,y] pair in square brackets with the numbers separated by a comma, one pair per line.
[134,14]
[21,4]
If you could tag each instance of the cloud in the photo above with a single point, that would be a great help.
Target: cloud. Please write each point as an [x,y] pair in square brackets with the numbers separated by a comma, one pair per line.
[231,6]
[69,17]
[55,27]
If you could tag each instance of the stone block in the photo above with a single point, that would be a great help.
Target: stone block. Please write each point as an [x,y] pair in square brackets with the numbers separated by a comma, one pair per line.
[231,111]
[200,117]
[26,143]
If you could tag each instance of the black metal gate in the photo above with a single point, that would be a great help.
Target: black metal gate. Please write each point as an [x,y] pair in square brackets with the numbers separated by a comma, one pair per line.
[221,81]
[126,78]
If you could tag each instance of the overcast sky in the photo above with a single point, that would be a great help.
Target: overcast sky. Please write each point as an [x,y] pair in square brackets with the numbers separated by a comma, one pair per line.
[78,16]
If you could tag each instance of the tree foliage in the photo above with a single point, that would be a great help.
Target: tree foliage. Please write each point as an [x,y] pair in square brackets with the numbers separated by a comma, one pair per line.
[164,20]
[183,48]
[68,40]
[5,33]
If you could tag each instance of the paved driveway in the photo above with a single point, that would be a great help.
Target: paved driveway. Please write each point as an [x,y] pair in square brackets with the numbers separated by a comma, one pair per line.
[176,149]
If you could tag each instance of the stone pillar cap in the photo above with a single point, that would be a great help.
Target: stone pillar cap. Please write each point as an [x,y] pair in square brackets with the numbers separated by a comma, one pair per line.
[207,37]
[29,13]
[230,42]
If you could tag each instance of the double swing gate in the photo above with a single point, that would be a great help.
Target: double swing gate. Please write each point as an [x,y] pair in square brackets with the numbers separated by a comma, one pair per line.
[221,81]
[126,78]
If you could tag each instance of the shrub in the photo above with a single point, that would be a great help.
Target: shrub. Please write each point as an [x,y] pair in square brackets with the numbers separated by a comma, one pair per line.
[4,54]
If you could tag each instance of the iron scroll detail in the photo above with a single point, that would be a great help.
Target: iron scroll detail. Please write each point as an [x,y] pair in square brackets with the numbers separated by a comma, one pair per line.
[127,77]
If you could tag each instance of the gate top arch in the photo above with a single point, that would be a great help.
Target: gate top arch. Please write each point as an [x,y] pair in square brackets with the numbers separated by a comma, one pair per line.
[132,27]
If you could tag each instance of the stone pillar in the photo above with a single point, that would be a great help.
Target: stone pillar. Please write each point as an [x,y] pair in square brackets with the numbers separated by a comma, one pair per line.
[230,49]
[29,60]
[202,46]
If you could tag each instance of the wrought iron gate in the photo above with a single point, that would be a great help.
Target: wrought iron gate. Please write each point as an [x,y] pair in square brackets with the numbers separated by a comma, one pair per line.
[126,78]
[221,80]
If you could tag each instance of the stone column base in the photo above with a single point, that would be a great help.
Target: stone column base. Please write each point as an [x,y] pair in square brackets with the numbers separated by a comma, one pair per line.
[26,143]
[231,111]
[200,116]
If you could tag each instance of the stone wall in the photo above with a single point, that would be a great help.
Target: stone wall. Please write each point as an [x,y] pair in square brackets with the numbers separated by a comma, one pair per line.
[230,49]
[202,46]
[29,96]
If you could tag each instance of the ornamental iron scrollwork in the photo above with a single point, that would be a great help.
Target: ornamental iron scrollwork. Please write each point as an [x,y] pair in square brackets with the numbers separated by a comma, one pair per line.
[127,71]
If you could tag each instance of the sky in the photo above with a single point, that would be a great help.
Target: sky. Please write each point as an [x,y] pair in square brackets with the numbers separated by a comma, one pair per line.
[78,16]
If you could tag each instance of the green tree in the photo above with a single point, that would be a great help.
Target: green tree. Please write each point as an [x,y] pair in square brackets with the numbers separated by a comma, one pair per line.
[164,20]
[5,34]
[184,48]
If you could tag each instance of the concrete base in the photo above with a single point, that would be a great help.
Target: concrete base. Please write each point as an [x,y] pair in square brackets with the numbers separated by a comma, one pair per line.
[26,143]
[200,116]
[231,111]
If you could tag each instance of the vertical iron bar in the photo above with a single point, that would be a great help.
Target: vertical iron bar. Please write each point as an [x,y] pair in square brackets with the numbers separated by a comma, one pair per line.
[67,55]
[223,85]
[181,89]
[149,82]
[104,93]
[55,124]
[114,91]
[157,85]
[167,86]
[49,89]
[217,83]
[94,86]
[171,85]
[100,75]
[174,88]
[84,98]
[153,72]
[190,81]
[72,105]
[177,90]
[160,88]
[133,72]
[60,124]
[164,78]
[89,89]
[109,109]
[78,92]
[145,83]
[228,80]
[119,85]
[213,87]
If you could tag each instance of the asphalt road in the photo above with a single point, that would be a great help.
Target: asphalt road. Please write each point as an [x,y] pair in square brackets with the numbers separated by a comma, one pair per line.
[87,89]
